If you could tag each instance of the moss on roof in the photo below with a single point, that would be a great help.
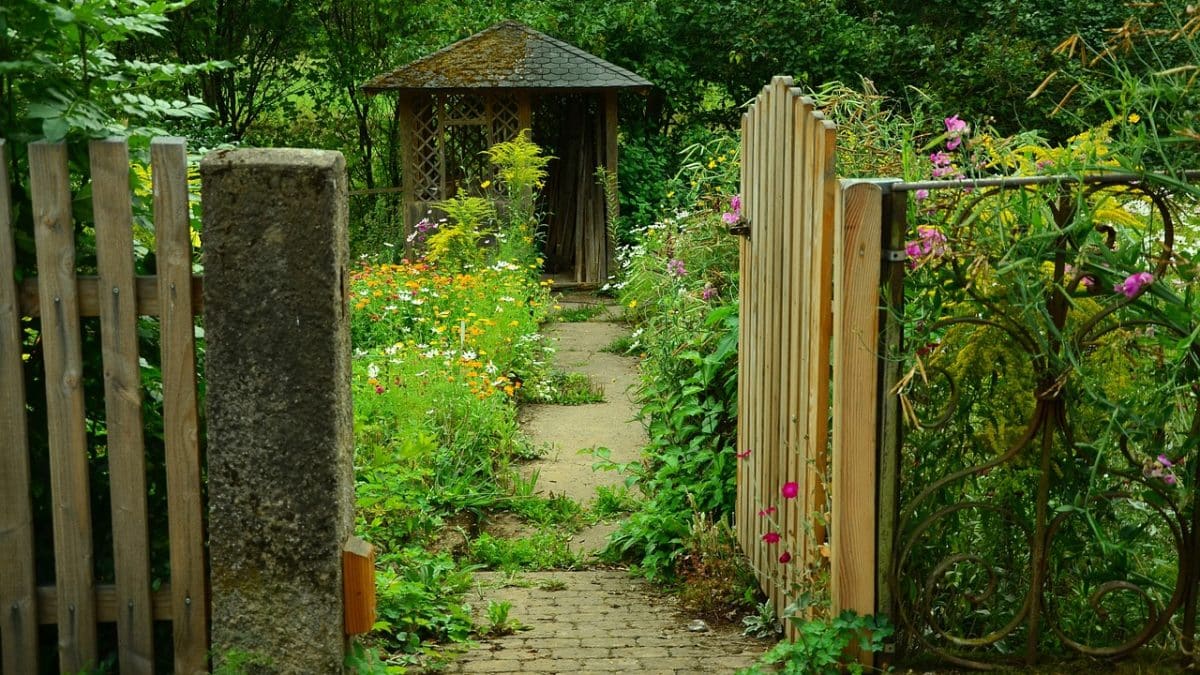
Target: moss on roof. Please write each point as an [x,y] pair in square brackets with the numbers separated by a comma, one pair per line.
[508,55]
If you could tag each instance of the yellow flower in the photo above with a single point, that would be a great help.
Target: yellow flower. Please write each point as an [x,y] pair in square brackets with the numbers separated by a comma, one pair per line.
[485,184]
[1134,118]
[712,164]
[721,158]
[632,304]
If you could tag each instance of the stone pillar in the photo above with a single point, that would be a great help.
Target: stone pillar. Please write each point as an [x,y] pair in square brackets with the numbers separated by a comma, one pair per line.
[280,427]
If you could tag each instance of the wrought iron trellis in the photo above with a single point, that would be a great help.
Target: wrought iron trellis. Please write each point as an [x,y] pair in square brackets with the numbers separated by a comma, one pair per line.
[983,604]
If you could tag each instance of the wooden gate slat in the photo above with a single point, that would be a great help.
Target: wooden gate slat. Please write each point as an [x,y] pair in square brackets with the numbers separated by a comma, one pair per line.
[54,233]
[18,606]
[742,514]
[188,577]
[856,325]
[794,264]
[123,402]
[757,310]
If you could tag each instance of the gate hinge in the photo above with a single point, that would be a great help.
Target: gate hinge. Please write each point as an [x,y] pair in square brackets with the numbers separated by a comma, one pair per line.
[741,228]
[892,255]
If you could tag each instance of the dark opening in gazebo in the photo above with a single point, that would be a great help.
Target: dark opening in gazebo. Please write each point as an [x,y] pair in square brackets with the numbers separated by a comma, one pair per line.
[486,89]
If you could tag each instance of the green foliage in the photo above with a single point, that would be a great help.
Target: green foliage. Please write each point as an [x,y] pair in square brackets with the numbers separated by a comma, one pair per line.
[546,550]
[563,388]
[821,647]
[499,623]
[578,314]
[64,71]
[419,598]
[689,384]
[762,623]
[614,501]
[459,242]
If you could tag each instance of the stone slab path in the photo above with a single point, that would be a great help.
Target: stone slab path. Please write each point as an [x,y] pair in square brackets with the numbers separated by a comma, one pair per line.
[593,620]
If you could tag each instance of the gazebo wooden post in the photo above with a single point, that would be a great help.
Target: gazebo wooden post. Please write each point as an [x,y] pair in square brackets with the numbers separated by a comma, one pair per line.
[525,112]
[408,163]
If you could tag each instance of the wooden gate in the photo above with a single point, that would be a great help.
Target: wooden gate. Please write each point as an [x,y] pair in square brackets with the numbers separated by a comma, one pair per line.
[810,280]
[56,300]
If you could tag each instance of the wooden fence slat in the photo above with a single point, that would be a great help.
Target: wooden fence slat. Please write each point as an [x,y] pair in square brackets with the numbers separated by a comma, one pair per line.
[18,606]
[188,576]
[819,329]
[123,402]
[827,186]
[88,294]
[795,263]
[743,517]
[54,233]
[757,310]
[857,265]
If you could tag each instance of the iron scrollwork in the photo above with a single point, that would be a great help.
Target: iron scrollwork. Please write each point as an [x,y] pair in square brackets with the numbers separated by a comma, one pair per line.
[1044,508]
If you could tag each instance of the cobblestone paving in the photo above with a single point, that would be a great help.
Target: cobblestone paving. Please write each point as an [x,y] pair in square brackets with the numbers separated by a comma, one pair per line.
[598,622]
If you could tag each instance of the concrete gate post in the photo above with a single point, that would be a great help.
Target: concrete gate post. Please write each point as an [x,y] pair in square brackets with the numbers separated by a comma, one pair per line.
[280,471]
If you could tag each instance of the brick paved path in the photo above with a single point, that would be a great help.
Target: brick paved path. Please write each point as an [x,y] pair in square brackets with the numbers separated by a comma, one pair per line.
[593,621]
[602,622]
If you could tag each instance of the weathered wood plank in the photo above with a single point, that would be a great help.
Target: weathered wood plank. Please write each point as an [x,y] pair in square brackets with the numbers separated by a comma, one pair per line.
[123,402]
[188,578]
[18,606]
[54,233]
[794,263]
[742,516]
[107,604]
[88,293]
[857,265]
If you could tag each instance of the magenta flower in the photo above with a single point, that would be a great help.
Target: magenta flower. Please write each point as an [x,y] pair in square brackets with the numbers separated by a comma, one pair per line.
[940,171]
[785,558]
[735,203]
[771,537]
[955,125]
[1162,459]
[379,389]
[675,267]
[708,293]
[790,489]
[1133,284]
[940,159]
[730,218]
[922,194]
[767,511]
[930,242]
[1170,479]
[953,143]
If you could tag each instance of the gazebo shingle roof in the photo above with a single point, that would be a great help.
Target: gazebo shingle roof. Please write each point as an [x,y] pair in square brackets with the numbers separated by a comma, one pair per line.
[508,55]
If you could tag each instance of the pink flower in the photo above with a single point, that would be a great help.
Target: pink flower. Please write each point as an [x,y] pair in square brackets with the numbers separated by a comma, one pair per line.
[1169,479]
[675,267]
[708,293]
[940,159]
[785,558]
[955,125]
[735,203]
[953,143]
[922,194]
[1134,283]
[730,218]
[744,454]
[379,389]
[767,511]
[790,490]
[940,171]
[771,537]
[1162,459]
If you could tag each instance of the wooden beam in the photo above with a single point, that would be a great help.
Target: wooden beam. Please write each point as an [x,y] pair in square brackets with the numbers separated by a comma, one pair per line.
[107,604]
[88,289]
[358,586]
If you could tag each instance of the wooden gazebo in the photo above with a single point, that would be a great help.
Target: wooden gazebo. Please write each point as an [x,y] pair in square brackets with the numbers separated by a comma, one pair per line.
[487,88]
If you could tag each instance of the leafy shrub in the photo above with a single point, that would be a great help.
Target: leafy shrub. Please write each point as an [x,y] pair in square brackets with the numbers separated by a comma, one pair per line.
[826,647]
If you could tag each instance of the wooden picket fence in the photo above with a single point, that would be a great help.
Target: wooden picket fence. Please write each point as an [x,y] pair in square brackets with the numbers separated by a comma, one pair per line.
[807,398]
[59,297]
